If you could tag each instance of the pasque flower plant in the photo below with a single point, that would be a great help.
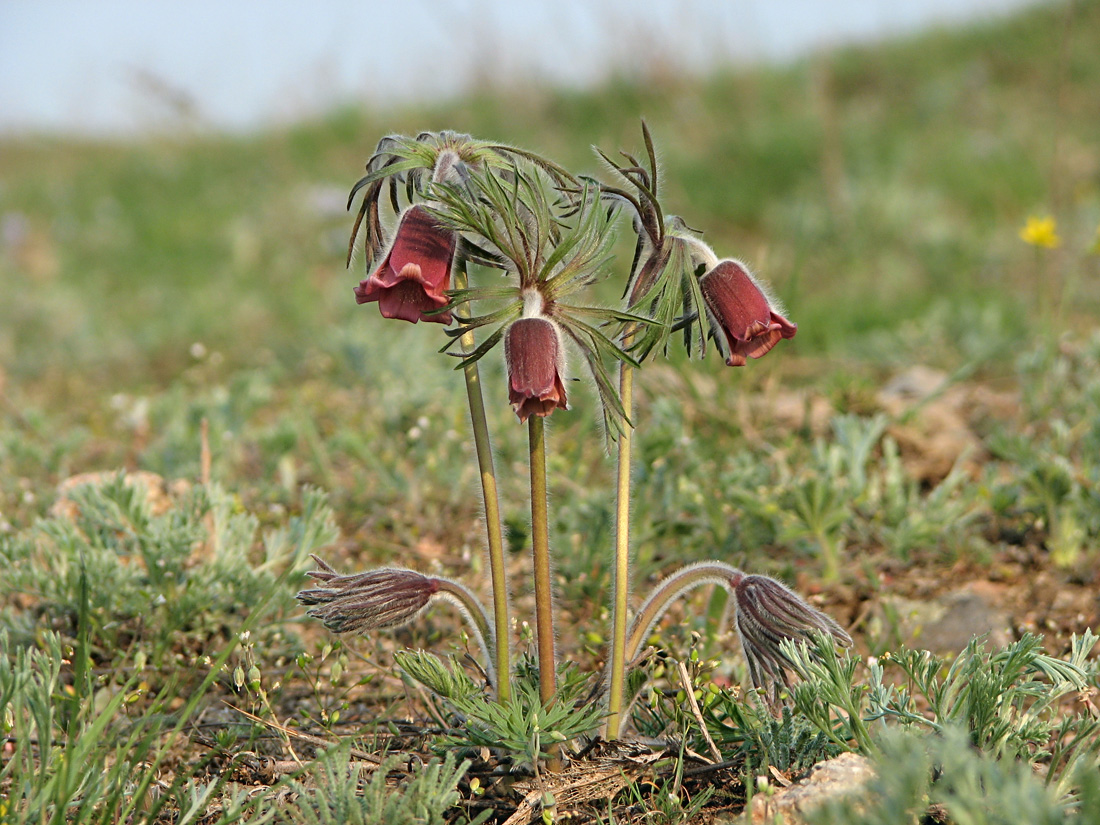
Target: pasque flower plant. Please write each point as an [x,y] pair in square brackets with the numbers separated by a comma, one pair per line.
[457,201]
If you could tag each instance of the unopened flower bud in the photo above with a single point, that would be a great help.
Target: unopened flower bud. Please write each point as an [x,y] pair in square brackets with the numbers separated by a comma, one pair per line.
[387,597]
[767,613]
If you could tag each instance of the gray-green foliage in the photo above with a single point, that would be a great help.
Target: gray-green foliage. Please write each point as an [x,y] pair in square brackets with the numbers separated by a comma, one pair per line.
[89,743]
[77,754]
[446,681]
[337,793]
[668,804]
[742,728]
[1056,485]
[60,766]
[829,695]
[114,567]
[1008,701]
[915,772]
[196,800]
[520,727]
[850,488]
[787,742]
[180,567]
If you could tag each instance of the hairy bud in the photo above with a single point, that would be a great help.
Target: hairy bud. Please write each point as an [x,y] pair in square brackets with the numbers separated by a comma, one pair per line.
[766,613]
[387,597]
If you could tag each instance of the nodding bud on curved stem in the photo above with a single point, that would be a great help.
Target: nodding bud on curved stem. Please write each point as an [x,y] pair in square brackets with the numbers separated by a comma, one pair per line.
[390,597]
[766,612]
[377,599]
[667,591]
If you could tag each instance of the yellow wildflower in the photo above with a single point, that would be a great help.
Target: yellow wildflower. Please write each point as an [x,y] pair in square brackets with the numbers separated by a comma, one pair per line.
[1040,232]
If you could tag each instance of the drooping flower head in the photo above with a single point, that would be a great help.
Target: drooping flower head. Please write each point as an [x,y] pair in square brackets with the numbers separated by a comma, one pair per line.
[390,597]
[387,597]
[535,361]
[415,274]
[409,166]
[766,613]
[741,311]
[725,302]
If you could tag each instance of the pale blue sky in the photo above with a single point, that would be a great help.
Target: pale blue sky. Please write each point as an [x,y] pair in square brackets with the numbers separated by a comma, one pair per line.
[117,66]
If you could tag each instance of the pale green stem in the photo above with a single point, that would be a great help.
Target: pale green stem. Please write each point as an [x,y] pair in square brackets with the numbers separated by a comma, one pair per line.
[622,558]
[662,597]
[475,614]
[480,426]
[540,548]
[659,601]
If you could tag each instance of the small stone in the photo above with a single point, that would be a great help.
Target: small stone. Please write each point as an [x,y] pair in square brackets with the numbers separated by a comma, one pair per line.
[946,624]
[936,432]
[847,774]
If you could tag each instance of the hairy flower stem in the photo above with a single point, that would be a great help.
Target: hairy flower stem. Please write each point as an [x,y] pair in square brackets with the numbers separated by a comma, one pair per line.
[667,592]
[540,547]
[622,557]
[480,426]
[478,620]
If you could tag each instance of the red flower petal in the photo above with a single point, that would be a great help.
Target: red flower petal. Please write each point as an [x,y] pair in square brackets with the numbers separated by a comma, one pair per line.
[416,272]
[532,351]
[742,311]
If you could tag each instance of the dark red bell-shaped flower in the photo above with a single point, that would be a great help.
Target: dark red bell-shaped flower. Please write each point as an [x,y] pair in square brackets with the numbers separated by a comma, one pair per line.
[742,311]
[533,352]
[416,272]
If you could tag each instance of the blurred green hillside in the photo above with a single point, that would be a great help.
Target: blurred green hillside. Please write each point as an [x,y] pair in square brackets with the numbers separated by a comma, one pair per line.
[149,284]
